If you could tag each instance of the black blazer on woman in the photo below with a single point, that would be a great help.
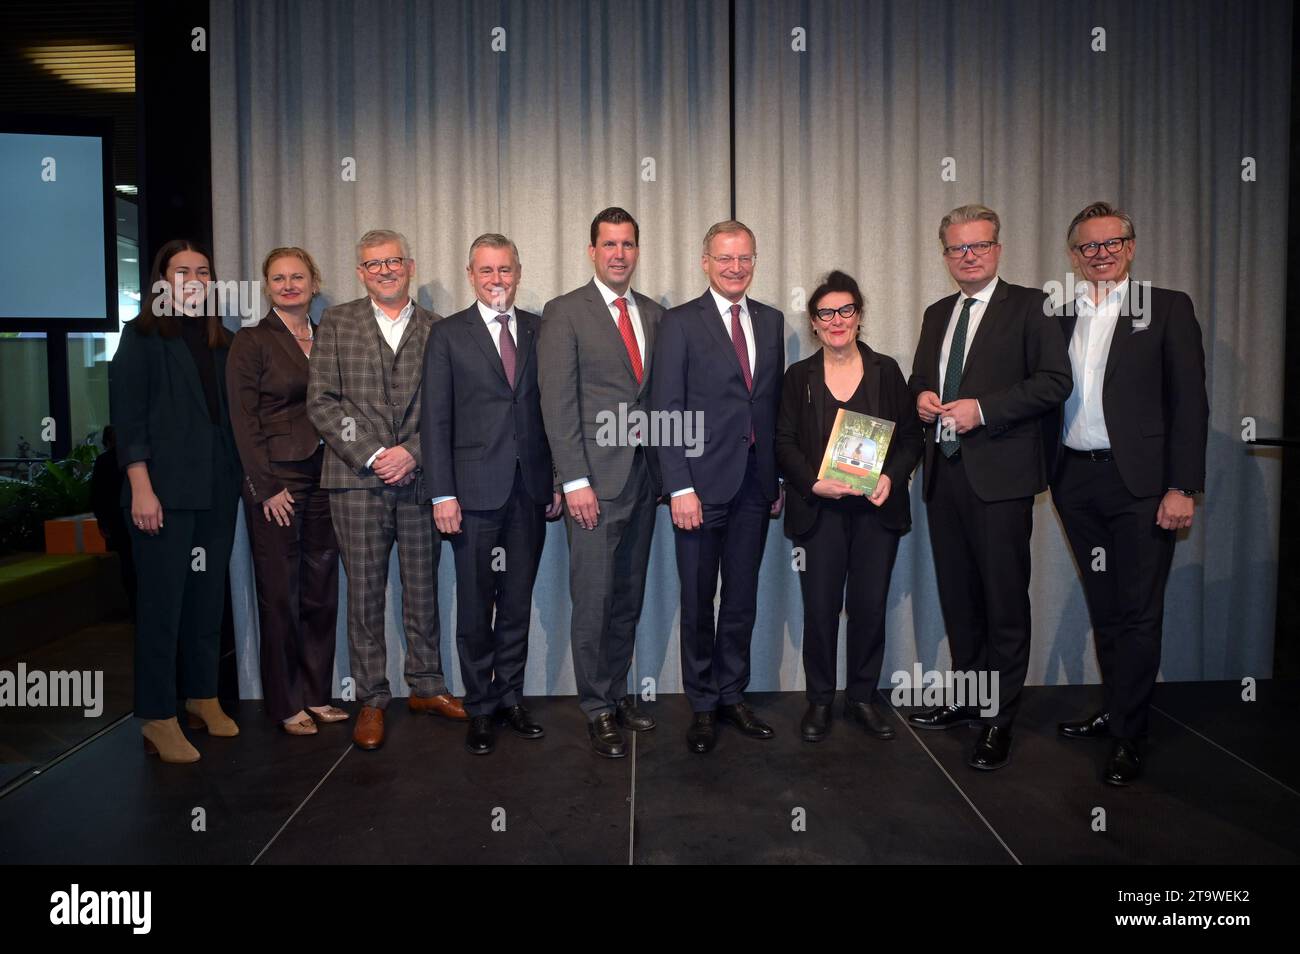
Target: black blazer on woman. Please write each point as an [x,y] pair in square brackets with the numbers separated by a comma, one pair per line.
[267,379]
[160,415]
[804,418]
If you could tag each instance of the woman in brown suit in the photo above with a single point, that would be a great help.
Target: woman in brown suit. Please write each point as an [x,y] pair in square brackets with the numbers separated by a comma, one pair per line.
[295,555]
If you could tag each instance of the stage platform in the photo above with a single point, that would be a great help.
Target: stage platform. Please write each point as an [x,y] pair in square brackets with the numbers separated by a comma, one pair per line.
[1222,787]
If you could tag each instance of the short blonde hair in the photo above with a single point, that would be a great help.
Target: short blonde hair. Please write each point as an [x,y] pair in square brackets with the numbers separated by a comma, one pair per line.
[969,213]
[291,251]
[726,228]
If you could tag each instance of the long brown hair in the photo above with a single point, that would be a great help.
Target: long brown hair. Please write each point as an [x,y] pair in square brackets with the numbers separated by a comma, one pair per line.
[167,324]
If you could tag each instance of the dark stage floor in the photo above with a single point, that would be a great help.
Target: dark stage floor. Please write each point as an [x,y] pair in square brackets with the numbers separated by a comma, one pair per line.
[1222,787]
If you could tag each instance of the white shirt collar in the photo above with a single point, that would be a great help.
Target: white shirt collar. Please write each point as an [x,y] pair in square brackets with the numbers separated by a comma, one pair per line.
[983,295]
[490,314]
[724,306]
[405,313]
[1114,298]
[610,295]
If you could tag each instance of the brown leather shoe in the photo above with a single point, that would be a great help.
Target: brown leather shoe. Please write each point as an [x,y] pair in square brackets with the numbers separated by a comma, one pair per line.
[369,731]
[445,705]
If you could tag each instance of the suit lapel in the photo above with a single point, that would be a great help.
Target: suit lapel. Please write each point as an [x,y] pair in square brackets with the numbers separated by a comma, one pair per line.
[817,394]
[526,345]
[372,341]
[935,371]
[713,321]
[478,330]
[870,376]
[608,329]
[1120,344]
[284,338]
[181,357]
[988,321]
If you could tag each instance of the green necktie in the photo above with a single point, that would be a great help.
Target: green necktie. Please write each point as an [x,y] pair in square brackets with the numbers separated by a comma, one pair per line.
[952,375]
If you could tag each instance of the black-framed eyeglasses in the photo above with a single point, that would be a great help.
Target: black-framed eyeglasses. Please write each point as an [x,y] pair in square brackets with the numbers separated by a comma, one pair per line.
[959,251]
[375,265]
[844,311]
[1093,249]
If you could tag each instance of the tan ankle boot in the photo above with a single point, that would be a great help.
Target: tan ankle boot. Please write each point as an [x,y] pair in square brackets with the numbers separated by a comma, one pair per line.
[163,738]
[206,713]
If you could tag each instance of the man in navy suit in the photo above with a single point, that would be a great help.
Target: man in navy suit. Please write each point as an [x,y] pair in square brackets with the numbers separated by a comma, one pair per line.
[487,469]
[720,360]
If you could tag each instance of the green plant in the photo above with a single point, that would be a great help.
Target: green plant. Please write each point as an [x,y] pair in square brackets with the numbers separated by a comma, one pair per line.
[57,489]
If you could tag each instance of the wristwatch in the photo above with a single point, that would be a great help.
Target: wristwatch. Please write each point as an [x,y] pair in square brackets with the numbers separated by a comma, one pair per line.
[1185,493]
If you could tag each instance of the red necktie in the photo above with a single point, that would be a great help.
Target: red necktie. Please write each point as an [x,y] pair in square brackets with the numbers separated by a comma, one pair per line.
[509,350]
[629,336]
[742,354]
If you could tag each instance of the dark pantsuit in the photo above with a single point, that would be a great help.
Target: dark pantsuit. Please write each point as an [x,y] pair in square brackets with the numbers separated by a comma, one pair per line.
[297,593]
[179,608]
[1126,599]
[493,653]
[607,586]
[367,521]
[981,561]
[847,545]
[715,659]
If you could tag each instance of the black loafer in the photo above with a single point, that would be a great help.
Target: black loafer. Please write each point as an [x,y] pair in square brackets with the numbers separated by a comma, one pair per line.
[1096,727]
[703,733]
[480,737]
[632,718]
[816,724]
[743,718]
[944,717]
[606,740]
[1124,767]
[867,716]
[993,750]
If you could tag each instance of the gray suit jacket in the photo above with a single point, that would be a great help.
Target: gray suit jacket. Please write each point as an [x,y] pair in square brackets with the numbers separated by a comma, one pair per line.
[352,403]
[583,368]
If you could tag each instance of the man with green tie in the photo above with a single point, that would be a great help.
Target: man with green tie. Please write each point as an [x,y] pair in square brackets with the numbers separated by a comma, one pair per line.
[989,364]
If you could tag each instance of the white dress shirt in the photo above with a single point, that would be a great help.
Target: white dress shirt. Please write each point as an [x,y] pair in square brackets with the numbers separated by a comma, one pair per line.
[972,325]
[392,329]
[634,314]
[1094,328]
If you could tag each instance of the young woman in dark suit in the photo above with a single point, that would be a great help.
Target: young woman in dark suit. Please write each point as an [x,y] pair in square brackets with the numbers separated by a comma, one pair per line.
[295,554]
[167,390]
[849,540]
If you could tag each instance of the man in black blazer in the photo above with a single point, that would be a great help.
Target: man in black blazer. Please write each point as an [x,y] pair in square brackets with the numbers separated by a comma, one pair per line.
[988,366]
[594,368]
[720,360]
[487,469]
[1127,457]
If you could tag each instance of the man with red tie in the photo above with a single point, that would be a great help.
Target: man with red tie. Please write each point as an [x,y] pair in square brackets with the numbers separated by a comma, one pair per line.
[722,357]
[594,354]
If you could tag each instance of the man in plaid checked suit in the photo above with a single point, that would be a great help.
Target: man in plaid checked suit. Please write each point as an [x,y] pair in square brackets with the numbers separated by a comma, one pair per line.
[363,397]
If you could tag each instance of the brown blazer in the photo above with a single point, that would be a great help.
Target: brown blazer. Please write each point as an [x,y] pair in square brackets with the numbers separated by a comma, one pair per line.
[266,377]
[356,403]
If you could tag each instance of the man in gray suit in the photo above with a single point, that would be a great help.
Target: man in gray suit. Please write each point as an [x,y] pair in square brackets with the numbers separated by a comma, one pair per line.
[594,357]
[363,396]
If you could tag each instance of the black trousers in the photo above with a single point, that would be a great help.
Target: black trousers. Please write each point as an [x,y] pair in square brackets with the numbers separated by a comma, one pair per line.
[981,562]
[1126,593]
[848,559]
[715,657]
[497,553]
[297,569]
[180,601]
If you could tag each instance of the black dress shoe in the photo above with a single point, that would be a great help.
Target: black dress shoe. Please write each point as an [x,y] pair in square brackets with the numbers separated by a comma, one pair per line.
[1124,765]
[632,718]
[816,724]
[866,715]
[702,734]
[606,740]
[480,737]
[743,718]
[1096,727]
[518,718]
[944,717]
[993,750]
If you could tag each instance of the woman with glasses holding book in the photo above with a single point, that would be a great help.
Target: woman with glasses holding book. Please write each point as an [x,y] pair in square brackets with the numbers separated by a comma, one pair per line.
[849,534]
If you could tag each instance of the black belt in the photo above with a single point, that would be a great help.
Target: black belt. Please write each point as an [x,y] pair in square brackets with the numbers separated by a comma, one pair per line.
[1096,456]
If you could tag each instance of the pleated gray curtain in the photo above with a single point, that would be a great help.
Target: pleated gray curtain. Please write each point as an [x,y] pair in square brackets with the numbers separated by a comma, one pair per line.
[526,118]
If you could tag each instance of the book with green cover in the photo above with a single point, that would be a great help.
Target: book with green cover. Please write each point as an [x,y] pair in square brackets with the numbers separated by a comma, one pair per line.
[856,451]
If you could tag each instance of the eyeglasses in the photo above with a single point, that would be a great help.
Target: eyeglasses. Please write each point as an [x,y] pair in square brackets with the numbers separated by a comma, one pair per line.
[375,265]
[1093,249]
[726,261]
[959,251]
[844,311]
